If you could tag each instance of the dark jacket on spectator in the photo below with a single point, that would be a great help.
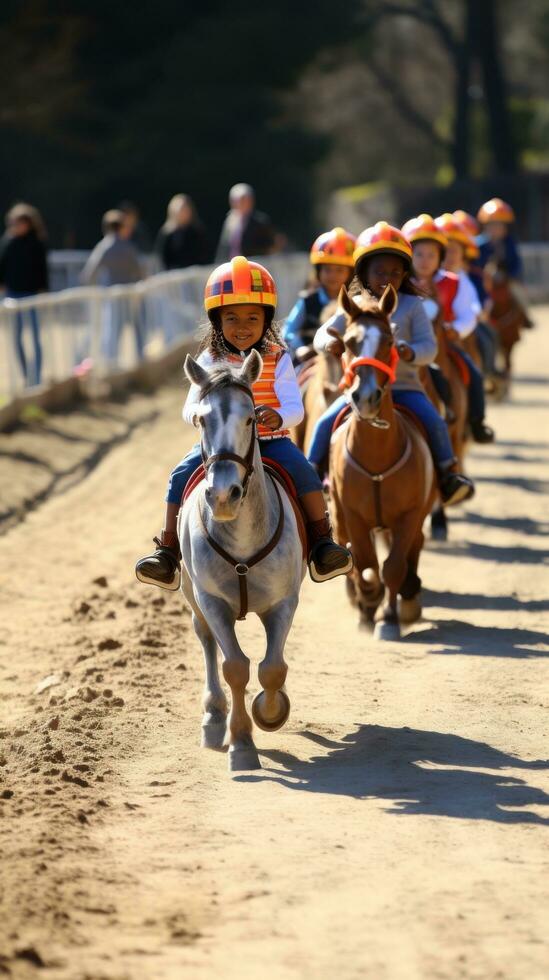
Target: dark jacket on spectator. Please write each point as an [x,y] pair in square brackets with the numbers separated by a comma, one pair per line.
[185,245]
[258,236]
[23,266]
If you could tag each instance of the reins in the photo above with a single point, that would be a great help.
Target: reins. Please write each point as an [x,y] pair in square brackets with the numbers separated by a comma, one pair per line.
[241,568]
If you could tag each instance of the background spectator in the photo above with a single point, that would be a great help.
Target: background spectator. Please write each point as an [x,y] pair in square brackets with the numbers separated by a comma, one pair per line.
[115,261]
[245,230]
[24,272]
[186,241]
[133,228]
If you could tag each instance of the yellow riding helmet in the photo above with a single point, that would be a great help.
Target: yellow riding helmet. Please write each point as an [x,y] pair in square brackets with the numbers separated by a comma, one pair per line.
[424,228]
[496,210]
[335,247]
[469,223]
[239,281]
[383,237]
[452,229]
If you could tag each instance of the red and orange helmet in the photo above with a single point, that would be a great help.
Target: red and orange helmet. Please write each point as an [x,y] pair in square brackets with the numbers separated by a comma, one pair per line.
[496,210]
[335,247]
[470,223]
[452,229]
[383,237]
[424,229]
[239,281]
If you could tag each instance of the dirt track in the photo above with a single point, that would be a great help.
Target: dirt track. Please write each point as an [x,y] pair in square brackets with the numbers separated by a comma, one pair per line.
[400,826]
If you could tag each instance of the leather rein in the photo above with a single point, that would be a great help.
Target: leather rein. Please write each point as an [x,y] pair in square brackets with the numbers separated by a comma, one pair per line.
[241,568]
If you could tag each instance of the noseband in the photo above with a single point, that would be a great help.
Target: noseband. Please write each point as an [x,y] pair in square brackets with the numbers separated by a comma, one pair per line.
[245,461]
[349,370]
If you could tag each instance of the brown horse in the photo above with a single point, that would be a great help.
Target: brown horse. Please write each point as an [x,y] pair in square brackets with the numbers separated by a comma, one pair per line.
[321,376]
[382,474]
[505,313]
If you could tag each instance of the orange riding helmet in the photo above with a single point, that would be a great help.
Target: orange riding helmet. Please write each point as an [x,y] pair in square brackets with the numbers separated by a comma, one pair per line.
[469,223]
[239,281]
[424,228]
[456,231]
[335,247]
[496,210]
[383,237]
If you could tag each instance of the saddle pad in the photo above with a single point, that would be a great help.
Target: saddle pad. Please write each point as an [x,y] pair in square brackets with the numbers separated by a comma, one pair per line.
[283,478]
[341,417]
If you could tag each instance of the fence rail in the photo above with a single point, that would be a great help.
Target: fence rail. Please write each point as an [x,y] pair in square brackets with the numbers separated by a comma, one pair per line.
[100,330]
[89,328]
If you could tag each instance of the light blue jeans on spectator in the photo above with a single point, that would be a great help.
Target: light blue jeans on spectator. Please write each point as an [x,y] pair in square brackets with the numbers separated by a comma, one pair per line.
[32,371]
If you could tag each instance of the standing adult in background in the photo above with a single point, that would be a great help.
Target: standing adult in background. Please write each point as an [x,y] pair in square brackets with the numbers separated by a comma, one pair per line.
[113,262]
[134,228]
[245,230]
[185,243]
[24,272]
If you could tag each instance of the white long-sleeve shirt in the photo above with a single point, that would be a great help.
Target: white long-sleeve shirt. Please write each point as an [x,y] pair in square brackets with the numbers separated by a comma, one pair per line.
[286,388]
[466,306]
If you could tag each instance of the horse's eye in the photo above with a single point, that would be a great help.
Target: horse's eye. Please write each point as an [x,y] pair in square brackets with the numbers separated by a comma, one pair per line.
[250,420]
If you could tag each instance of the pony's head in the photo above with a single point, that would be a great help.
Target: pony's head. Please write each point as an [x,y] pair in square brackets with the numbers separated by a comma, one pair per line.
[226,419]
[370,356]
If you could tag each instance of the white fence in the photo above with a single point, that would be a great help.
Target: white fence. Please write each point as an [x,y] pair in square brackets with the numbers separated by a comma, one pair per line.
[86,329]
[96,329]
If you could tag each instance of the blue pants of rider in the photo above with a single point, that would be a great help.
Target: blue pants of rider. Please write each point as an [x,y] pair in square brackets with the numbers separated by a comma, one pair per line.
[320,442]
[282,451]
[435,426]
[477,405]
[486,341]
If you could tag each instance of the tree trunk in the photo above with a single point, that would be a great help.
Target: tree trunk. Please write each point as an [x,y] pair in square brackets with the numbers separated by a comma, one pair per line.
[461,145]
[489,54]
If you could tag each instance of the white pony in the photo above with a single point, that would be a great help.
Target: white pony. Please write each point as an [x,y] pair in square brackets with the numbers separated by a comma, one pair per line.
[241,552]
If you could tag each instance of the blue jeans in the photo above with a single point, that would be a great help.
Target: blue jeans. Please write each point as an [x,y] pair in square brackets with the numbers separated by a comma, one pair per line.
[281,451]
[32,374]
[486,340]
[320,442]
[475,392]
[435,426]
[118,312]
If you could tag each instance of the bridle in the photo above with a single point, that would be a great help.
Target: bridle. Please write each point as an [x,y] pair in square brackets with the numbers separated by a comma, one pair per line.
[349,374]
[350,369]
[241,568]
[245,461]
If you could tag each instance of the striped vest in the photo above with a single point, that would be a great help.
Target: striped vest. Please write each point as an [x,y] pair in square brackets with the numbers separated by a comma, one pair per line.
[264,388]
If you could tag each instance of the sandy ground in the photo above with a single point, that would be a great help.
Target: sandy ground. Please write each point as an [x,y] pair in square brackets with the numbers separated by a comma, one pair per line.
[400,825]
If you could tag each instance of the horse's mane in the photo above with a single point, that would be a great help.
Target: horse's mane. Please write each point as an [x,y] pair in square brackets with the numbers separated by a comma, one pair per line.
[224,377]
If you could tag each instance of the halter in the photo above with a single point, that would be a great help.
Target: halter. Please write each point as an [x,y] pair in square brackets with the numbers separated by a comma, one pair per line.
[349,370]
[245,461]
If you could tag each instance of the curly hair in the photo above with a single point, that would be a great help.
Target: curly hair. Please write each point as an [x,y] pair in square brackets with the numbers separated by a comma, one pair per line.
[213,341]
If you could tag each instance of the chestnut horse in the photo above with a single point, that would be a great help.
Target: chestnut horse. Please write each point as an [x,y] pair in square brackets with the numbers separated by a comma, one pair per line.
[320,389]
[382,473]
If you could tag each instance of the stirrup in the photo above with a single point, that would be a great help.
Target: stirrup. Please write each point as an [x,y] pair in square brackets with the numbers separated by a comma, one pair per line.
[318,576]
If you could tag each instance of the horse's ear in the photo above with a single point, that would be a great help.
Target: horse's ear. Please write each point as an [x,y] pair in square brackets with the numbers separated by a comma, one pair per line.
[195,372]
[389,301]
[348,304]
[252,368]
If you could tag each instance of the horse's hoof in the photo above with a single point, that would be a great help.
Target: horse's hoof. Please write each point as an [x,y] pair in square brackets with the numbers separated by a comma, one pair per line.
[386,631]
[243,759]
[276,722]
[213,736]
[409,610]
[439,532]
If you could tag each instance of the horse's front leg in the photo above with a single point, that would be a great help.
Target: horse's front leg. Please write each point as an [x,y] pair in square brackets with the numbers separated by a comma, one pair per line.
[236,671]
[393,573]
[214,702]
[271,707]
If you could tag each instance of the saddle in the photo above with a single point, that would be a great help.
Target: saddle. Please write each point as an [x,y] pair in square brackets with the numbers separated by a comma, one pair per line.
[462,367]
[283,478]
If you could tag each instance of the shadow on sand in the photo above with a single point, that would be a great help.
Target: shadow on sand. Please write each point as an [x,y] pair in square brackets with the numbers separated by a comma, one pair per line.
[417,772]
[477,600]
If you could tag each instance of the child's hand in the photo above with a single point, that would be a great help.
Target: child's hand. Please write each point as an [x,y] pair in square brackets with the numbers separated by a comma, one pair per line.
[405,351]
[268,417]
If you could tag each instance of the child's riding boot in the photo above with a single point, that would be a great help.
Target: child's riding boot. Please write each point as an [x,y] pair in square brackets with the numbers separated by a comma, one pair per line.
[326,558]
[163,568]
[480,431]
[454,487]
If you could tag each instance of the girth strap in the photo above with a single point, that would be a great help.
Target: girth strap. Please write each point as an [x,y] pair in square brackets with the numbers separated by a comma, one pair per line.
[242,568]
[378,478]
